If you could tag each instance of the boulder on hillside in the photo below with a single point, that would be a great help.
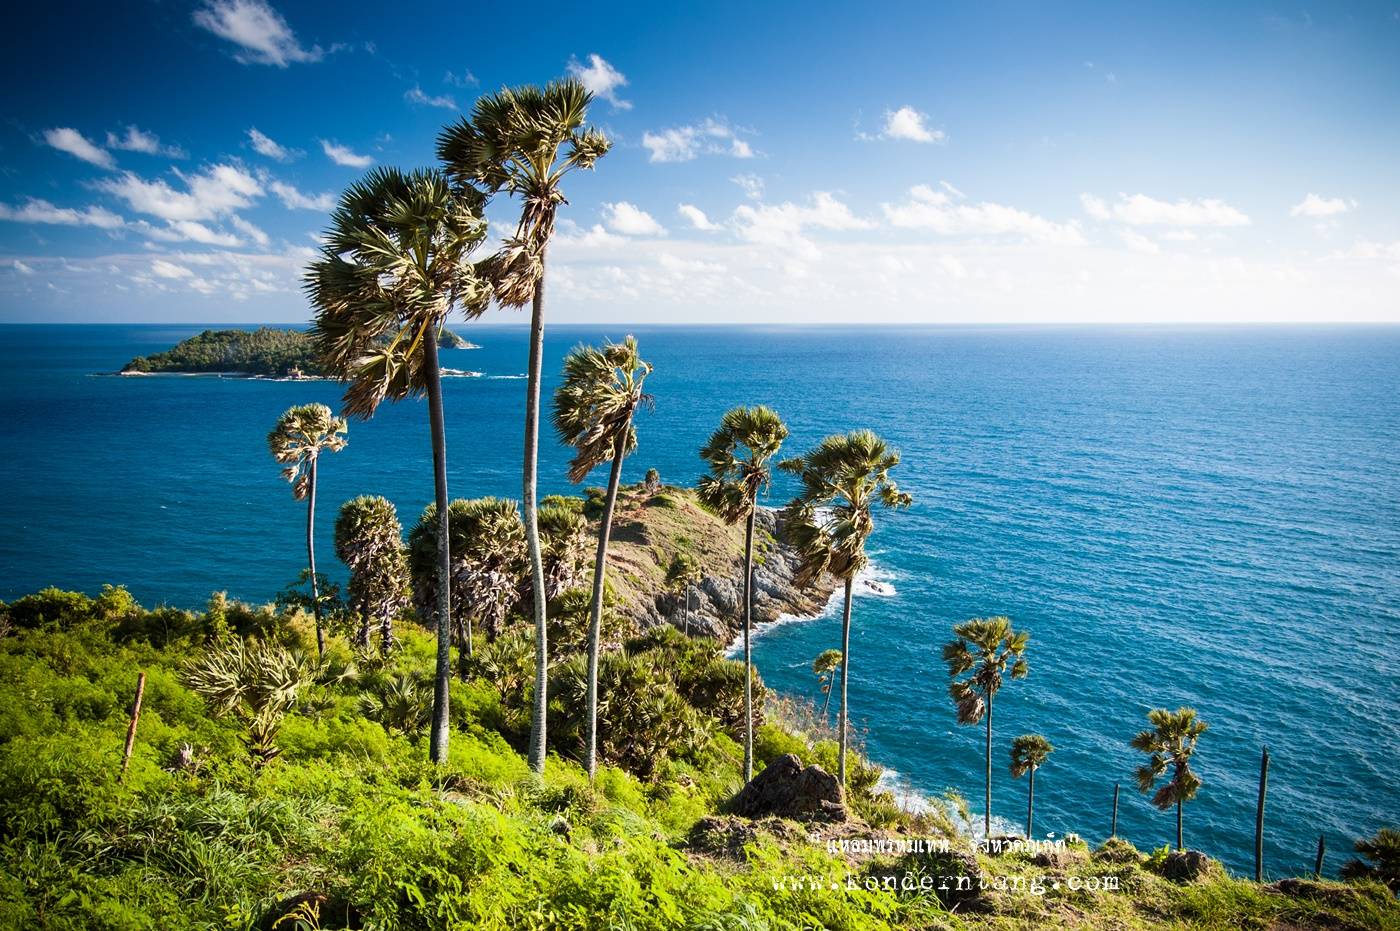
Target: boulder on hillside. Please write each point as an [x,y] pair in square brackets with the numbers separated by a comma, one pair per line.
[1185,866]
[727,835]
[787,789]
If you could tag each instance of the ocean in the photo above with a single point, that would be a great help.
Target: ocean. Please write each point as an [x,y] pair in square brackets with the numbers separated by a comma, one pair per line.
[1180,516]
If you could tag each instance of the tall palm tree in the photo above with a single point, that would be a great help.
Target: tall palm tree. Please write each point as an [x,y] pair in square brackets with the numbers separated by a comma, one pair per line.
[394,263]
[740,454]
[369,540]
[843,478]
[522,142]
[487,542]
[824,667]
[983,647]
[1170,744]
[593,410]
[1028,753]
[302,433]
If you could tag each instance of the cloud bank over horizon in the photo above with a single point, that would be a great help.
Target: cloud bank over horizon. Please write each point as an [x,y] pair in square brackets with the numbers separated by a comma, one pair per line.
[729,201]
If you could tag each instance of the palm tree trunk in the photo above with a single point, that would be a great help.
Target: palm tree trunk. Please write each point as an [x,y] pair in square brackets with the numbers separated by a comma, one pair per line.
[386,634]
[845,661]
[1179,844]
[595,613]
[748,648]
[831,684]
[532,528]
[1030,809]
[311,561]
[437,749]
[987,822]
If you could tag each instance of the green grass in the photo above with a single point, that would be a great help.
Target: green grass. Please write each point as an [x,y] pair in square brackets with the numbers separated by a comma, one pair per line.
[386,840]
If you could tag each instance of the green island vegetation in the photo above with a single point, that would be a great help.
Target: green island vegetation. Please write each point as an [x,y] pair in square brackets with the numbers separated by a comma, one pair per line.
[584,759]
[269,352]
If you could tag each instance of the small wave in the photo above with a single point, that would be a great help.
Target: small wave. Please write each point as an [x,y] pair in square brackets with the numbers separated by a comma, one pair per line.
[869,581]
[505,377]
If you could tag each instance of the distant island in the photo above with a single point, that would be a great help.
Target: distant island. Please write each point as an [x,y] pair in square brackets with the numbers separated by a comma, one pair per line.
[267,352]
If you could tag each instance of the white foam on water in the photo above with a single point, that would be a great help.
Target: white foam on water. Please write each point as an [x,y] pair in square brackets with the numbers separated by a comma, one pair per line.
[872,580]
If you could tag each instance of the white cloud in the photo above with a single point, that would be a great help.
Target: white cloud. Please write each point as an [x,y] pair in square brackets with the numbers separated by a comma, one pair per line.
[952,190]
[630,220]
[344,156]
[935,210]
[601,79]
[697,218]
[595,237]
[41,211]
[266,145]
[1315,206]
[259,31]
[76,144]
[251,231]
[685,143]
[909,124]
[751,185]
[1141,210]
[415,95]
[163,269]
[294,199]
[783,225]
[465,79]
[138,140]
[1139,243]
[21,268]
[215,192]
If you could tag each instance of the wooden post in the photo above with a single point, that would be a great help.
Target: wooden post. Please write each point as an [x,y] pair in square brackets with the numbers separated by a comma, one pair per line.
[1321,849]
[1114,831]
[1259,817]
[131,728]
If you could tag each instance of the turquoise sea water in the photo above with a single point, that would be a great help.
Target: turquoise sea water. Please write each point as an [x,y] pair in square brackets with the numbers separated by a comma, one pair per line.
[1179,516]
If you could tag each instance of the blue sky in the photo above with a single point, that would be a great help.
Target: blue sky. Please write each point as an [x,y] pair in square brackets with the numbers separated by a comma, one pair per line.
[784,162]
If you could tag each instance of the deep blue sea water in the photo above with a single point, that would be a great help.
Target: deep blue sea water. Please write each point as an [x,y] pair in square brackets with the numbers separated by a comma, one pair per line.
[1179,516]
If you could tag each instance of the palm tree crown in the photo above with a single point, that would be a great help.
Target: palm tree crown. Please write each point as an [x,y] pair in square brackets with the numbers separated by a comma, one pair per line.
[738,453]
[302,433]
[523,141]
[369,540]
[393,265]
[593,407]
[852,470]
[1029,752]
[984,647]
[1169,744]
[487,541]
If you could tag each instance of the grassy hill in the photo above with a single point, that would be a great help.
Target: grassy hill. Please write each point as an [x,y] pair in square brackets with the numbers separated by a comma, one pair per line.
[348,825]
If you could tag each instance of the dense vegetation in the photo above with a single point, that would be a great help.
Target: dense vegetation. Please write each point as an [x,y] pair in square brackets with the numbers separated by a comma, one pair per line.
[273,352]
[316,798]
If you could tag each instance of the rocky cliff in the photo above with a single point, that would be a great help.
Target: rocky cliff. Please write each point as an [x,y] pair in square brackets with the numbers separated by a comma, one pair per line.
[651,529]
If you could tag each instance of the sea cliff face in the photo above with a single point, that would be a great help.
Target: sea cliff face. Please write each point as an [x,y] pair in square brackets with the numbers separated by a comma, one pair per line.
[649,530]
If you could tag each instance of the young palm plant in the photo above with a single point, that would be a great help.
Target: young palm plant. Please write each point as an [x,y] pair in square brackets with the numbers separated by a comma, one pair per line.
[682,575]
[740,454]
[563,544]
[523,142]
[257,683]
[984,647]
[593,411]
[394,263]
[487,544]
[824,667]
[369,540]
[1028,753]
[843,478]
[1169,745]
[301,435]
